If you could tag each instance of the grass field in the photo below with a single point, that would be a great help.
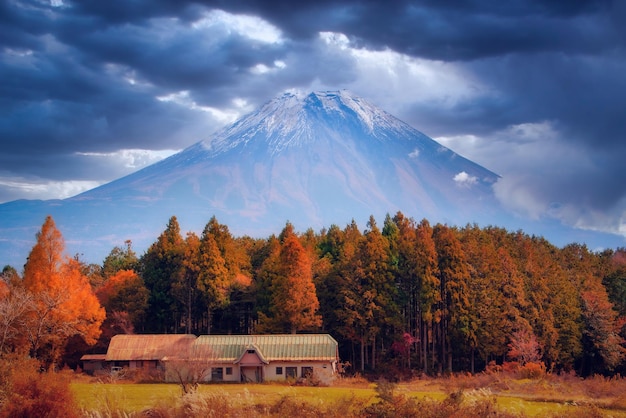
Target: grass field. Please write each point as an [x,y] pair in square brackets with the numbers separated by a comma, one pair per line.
[137,397]
[518,397]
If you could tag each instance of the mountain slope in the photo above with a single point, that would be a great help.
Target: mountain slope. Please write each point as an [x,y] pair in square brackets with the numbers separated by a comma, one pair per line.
[313,160]
[329,156]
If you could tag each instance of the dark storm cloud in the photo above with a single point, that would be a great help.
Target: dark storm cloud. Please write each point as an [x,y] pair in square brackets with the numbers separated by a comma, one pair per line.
[95,77]
[582,96]
[64,88]
[549,60]
[449,30]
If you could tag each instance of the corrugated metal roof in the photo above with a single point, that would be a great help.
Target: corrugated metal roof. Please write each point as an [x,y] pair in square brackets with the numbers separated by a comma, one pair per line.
[93,357]
[285,347]
[125,347]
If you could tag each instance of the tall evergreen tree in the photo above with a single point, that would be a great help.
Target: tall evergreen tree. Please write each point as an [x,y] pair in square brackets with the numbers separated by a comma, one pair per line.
[185,285]
[328,277]
[214,280]
[120,259]
[161,266]
[407,275]
[294,304]
[370,295]
[427,271]
[457,327]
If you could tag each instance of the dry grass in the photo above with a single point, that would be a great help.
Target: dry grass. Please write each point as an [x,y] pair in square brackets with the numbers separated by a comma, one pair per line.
[494,394]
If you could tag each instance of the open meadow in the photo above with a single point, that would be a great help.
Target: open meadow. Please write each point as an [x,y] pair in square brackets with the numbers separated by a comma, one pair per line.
[475,396]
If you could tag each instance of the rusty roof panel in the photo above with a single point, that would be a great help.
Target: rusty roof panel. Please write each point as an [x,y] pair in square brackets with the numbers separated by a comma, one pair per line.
[126,347]
[93,357]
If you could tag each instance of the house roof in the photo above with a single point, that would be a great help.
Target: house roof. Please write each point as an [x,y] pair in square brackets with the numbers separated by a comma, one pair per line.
[93,357]
[283,347]
[124,347]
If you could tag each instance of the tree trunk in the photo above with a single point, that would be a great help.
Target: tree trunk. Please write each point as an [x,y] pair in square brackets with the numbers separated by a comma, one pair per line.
[189,312]
[362,353]
[374,354]
[424,343]
[433,348]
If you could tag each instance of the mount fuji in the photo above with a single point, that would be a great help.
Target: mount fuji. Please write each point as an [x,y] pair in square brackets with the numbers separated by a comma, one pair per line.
[313,160]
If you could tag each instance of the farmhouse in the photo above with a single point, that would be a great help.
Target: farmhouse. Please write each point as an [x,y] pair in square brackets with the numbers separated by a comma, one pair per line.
[227,358]
[258,358]
[146,352]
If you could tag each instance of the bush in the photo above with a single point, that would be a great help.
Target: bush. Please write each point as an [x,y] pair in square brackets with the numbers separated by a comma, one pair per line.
[532,370]
[600,386]
[28,393]
[288,406]
[455,405]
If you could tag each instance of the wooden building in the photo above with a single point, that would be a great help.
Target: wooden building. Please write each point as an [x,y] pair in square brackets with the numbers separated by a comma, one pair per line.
[258,358]
[224,358]
[146,352]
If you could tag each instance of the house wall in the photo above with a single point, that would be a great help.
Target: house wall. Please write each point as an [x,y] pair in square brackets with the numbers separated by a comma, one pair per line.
[215,375]
[322,371]
[91,366]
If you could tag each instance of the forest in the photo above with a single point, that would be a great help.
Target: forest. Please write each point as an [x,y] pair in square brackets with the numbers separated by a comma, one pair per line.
[402,299]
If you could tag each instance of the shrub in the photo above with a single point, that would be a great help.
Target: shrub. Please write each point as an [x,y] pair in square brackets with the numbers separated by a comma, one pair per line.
[493,368]
[288,406]
[28,393]
[455,405]
[532,370]
[599,386]
[510,367]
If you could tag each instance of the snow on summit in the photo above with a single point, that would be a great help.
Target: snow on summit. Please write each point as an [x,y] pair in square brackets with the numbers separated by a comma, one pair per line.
[296,118]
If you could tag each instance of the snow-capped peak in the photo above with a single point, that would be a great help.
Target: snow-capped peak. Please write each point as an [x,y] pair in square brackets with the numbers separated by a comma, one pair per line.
[294,118]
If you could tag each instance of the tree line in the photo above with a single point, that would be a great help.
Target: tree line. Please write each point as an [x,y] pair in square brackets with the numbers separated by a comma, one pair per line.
[403,298]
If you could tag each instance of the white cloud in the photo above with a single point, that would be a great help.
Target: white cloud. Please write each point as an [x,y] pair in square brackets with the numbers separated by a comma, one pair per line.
[133,159]
[414,154]
[42,189]
[183,98]
[251,27]
[118,163]
[543,175]
[334,39]
[465,179]
[383,76]
[261,68]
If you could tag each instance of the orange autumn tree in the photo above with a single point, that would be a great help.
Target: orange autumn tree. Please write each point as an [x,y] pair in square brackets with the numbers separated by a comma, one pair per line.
[294,304]
[65,305]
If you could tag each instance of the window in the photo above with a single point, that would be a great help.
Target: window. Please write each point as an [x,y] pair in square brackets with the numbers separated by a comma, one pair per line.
[217,374]
[279,370]
[307,372]
[251,351]
[229,371]
[291,372]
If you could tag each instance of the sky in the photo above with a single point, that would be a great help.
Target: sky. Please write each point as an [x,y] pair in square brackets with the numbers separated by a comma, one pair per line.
[534,90]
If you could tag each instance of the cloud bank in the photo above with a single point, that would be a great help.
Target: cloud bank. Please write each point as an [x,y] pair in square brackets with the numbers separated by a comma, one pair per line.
[531,89]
